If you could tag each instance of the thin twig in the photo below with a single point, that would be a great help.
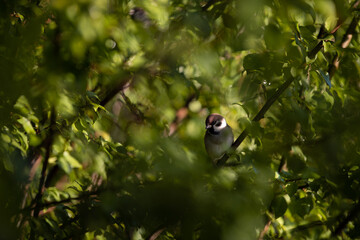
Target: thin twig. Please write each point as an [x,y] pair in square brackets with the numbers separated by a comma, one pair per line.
[356,4]
[156,234]
[265,230]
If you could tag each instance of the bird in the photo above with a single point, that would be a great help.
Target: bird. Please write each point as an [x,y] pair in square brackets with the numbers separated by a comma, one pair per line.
[139,15]
[218,137]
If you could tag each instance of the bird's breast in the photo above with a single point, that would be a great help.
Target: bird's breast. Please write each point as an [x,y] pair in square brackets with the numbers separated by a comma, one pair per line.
[217,144]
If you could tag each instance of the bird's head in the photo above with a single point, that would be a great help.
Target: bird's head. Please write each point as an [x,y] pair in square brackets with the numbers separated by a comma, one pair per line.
[215,122]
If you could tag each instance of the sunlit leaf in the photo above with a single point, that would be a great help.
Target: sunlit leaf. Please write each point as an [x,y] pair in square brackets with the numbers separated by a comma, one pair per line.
[27,125]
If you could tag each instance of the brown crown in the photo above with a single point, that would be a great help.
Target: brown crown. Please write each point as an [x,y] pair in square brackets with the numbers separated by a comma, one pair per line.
[212,118]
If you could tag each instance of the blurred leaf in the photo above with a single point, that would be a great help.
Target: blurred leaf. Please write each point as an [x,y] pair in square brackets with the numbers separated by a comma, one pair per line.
[199,23]
[67,162]
[229,21]
[34,140]
[22,105]
[273,37]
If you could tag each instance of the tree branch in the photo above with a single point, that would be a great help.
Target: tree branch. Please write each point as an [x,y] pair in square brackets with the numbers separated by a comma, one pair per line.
[83,195]
[257,118]
[133,108]
[346,38]
[46,161]
[353,213]
[316,49]
[111,94]
[282,164]
[344,43]
[320,45]
[49,142]
[349,32]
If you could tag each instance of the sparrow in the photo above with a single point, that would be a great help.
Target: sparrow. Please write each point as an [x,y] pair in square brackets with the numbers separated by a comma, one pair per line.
[218,138]
[139,15]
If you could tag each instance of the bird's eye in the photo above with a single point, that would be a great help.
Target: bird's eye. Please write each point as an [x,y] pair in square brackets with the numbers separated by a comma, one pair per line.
[218,124]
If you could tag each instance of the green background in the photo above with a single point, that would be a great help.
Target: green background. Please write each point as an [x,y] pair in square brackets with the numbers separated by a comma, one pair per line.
[103,105]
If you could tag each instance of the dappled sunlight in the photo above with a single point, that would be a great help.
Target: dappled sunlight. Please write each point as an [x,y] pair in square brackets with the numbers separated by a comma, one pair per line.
[103,106]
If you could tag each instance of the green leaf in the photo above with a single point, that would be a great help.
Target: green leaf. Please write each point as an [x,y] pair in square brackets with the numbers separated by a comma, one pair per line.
[199,23]
[92,96]
[291,188]
[52,194]
[253,62]
[27,125]
[6,138]
[34,140]
[176,63]
[329,98]
[302,206]
[243,106]
[299,42]
[279,206]
[22,105]
[274,39]
[21,141]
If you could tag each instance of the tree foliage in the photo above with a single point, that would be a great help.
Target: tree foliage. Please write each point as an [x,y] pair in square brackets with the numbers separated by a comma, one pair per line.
[102,110]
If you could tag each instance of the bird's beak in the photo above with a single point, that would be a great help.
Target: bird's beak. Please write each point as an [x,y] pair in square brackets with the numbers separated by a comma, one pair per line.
[208,126]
